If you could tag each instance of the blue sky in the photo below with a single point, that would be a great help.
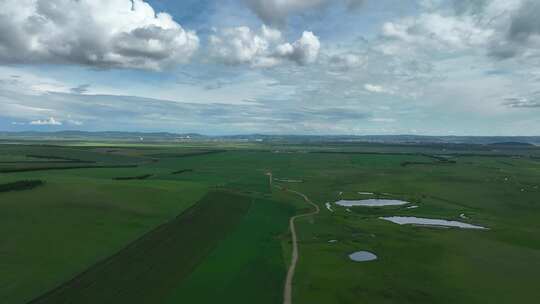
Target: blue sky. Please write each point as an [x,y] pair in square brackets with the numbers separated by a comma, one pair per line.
[454,67]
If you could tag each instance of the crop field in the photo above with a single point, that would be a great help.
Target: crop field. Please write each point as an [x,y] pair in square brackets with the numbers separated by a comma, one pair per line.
[149,268]
[206,223]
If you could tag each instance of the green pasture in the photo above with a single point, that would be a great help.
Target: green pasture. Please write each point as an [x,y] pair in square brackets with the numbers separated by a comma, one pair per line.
[80,218]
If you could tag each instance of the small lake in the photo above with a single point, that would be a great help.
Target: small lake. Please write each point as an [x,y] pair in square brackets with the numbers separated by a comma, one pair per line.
[411,220]
[370,203]
[362,256]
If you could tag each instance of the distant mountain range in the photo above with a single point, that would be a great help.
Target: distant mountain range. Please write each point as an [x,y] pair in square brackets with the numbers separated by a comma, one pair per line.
[106,135]
[172,137]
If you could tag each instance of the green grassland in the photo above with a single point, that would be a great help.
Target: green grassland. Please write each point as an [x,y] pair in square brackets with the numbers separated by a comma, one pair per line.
[148,269]
[97,232]
[246,267]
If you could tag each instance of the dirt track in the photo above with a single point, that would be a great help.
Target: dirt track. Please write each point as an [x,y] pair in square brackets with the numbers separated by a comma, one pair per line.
[287,292]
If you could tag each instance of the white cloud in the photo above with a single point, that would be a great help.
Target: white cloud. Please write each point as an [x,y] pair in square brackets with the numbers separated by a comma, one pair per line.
[46,122]
[436,31]
[75,122]
[266,48]
[103,33]
[501,28]
[303,51]
[373,88]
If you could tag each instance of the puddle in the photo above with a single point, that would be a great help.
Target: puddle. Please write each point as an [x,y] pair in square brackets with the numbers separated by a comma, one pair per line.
[405,220]
[329,207]
[412,207]
[366,193]
[332,241]
[370,203]
[362,256]
[288,180]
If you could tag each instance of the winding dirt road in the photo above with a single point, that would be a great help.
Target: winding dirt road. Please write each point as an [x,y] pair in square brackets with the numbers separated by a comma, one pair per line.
[287,292]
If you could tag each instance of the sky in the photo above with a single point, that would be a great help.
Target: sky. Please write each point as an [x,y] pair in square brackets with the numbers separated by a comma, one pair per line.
[315,67]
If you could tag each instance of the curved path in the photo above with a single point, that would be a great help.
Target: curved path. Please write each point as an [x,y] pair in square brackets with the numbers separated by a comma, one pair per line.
[287,292]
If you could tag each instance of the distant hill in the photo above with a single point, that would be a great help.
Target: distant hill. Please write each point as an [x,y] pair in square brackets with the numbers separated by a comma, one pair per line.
[512,144]
[500,141]
[107,135]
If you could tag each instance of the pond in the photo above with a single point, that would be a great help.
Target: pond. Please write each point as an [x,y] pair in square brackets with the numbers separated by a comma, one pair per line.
[408,220]
[371,203]
[362,256]
[329,207]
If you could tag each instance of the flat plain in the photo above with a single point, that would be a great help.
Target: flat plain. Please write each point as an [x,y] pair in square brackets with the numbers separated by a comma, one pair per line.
[200,223]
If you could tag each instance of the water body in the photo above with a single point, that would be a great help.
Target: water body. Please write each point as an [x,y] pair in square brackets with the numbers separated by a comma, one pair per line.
[288,180]
[362,256]
[371,203]
[329,207]
[408,220]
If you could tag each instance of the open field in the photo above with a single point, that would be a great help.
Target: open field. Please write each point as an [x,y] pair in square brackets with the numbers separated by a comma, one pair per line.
[148,269]
[117,232]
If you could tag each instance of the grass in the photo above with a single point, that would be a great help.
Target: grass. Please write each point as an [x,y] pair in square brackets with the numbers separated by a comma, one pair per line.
[58,230]
[247,266]
[138,177]
[149,268]
[422,265]
[20,185]
[83,217]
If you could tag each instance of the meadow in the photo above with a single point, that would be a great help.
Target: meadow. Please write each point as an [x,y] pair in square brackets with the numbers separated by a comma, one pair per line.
[200,223]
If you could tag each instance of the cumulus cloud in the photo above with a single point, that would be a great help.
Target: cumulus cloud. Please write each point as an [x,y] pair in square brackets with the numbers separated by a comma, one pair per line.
[266,48]
[46,122]
[437,31]
[276,11]
[102,33]
[502,29]
[303,51]
[522,35]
